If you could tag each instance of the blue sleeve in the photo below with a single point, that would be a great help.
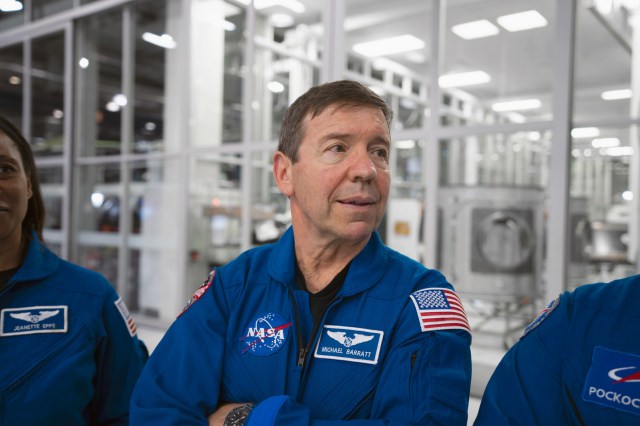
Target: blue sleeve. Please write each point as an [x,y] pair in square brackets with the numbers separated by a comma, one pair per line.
[425,381]
[180,384]
[120,358]
[526,388]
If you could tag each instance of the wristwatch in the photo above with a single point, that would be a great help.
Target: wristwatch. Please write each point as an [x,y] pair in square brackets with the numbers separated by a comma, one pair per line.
[239,415]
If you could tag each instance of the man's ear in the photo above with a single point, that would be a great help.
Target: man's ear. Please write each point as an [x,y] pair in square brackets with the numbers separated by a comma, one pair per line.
[282,170]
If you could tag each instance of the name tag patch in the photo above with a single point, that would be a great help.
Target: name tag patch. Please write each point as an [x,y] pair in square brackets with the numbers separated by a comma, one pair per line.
[614,380]
[349,344]
[33,320]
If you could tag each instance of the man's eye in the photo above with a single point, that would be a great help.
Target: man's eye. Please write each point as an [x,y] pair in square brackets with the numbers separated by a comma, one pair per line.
[382,153]
[337,148]
[6,169]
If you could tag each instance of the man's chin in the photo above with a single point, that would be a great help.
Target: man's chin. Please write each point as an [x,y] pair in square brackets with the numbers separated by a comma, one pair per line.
[359,232]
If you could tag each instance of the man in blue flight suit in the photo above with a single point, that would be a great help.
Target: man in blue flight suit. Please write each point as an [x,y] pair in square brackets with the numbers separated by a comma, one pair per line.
[327,324]
[577,363]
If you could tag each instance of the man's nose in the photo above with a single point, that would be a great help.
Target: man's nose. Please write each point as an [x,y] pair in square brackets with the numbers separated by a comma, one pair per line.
[362,166]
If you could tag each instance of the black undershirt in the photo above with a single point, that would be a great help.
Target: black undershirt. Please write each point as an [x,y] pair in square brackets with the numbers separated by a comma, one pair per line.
[5,276]
[320,300]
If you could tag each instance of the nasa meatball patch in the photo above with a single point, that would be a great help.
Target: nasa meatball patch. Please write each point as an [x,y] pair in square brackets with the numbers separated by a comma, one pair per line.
[265,334]
[33,320]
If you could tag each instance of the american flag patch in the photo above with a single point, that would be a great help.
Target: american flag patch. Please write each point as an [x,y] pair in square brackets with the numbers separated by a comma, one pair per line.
[126,316]
[439,309]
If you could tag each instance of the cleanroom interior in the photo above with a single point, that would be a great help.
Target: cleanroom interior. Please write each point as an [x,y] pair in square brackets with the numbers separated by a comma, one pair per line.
[515,138]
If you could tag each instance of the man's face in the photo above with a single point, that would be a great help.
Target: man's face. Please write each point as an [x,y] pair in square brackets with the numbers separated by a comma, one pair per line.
[15,191]
[340,184]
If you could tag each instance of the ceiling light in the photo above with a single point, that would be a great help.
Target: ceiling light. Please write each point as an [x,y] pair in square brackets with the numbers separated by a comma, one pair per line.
[97,198]
[275,87]
[165,40]
[281,20]
[612,95]
[585,132]
[120,99]
[228,25]
[463,79]
[292,5]
[405,144]
[112,106]
[475,29]
[389,46]
[10,6]
[618,151]
[83,63]
[627,195]
[522,21]
[14,80]
[605,142]
[519,105]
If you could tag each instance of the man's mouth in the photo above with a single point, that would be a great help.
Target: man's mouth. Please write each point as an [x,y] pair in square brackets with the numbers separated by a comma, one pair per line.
[358,202]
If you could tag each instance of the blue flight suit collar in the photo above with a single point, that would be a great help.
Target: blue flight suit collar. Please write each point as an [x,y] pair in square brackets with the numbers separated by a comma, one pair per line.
[38,264]
[366,268]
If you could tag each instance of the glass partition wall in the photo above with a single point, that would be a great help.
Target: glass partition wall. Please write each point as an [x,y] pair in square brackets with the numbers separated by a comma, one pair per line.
[154,123]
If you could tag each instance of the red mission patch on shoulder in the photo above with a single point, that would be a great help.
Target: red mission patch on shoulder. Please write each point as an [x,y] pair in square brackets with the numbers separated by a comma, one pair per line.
[200,291]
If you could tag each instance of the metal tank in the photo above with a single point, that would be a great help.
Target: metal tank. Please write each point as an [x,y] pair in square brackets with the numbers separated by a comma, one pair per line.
[491,241]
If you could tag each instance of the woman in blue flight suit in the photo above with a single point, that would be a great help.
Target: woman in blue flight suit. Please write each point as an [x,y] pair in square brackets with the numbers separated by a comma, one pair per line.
[68,345]
[577,363]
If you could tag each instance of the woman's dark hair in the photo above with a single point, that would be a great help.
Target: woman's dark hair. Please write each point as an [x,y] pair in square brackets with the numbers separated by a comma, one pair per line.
[343,93]
[34,218]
